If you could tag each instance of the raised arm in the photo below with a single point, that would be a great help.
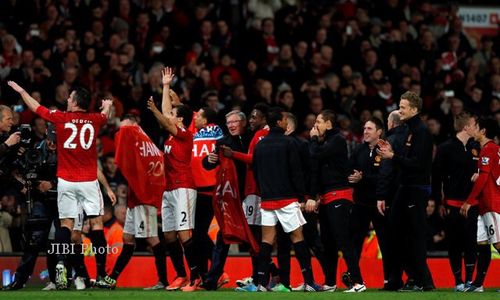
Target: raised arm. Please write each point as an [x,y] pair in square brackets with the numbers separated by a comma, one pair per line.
[30,102]
[106,107]
[167,122]
[166,103]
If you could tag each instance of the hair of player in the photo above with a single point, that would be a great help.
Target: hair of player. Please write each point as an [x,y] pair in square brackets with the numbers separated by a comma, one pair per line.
[274,115]
[379,125]
[292,119]
[209,114]
[131,117]
[461,120]
[184,112]
[82,98]
[413,99]
[263,108]
[490,126]
[329,115]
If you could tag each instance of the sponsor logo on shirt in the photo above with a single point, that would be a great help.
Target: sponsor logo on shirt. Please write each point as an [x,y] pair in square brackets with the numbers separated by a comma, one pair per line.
[485,161]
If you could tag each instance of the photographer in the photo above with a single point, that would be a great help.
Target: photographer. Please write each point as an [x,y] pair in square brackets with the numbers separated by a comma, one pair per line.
[6,142]
[37,167]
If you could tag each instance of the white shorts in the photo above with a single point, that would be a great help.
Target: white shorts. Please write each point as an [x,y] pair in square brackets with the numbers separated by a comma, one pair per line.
[177,209]
[488,228]
[251,207]
[72,195]
[290,217]
[141,221]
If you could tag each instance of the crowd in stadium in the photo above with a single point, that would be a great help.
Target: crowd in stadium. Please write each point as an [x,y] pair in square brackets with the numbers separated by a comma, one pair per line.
[215,70]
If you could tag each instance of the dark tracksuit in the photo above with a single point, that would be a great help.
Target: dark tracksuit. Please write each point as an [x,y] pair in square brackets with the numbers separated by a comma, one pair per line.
[330,169]
[453,167]
[279,176]
[364,210]
[387,186]
[310,229]
[408,210]
[220,251]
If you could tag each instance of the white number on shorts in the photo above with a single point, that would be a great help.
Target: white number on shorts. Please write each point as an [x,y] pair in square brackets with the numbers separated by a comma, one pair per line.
[68,144]
[491,230]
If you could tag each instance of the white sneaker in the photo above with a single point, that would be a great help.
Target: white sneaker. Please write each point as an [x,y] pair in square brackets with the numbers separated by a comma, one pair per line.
[299,288]
[158,286]
[244,282]
[80,283]
[329,288]
[460,287]
[49,287]
[357,288]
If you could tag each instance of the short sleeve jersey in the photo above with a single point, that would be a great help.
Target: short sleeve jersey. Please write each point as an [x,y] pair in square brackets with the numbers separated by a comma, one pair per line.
[177,149]
[76,142]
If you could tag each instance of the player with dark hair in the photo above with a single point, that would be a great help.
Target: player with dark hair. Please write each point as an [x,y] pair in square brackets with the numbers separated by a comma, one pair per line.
[77,184]
[367,164]
[331,169]
[179,199]
[205,139]
[278,174]
[485,193]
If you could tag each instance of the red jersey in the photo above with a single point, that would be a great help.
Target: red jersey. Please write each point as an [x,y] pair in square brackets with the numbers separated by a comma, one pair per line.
[178,150]
[250,185]
[486,190]
[76,142]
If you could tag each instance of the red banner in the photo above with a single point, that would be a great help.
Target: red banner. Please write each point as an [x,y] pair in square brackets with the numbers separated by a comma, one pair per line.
[227,207]
[141,163]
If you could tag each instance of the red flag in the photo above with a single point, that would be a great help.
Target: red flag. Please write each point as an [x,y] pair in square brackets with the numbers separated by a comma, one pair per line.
[227,207]
[141,162]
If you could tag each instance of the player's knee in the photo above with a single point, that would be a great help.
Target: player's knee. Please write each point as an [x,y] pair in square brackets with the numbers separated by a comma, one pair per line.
[170,236]
[128,239]
[184,235]
[153,241]
[76,237]
[296,235]
[497,246]
[96,222]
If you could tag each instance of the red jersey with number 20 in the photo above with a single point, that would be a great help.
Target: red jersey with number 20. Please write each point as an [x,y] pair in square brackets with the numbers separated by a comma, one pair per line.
[76,142]
[178,150]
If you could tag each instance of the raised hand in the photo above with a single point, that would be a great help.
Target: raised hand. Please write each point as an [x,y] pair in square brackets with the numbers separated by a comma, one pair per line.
[151,105]
[15,86]
[106,103]
[167,76]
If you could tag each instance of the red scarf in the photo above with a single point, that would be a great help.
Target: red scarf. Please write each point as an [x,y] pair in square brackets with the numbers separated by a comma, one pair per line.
[227,207]
[141,162]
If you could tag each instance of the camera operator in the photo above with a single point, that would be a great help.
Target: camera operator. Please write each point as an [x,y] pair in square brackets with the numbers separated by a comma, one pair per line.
[6,143]
[38,171]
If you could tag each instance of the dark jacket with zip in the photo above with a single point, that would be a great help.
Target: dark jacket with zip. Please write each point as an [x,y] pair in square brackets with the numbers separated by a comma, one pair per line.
[453,167]
[277,167]
[390,174]
[366,160]
[416,159]
[331,164]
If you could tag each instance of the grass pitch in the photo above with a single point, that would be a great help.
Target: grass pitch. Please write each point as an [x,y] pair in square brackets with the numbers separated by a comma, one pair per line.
[138,294]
